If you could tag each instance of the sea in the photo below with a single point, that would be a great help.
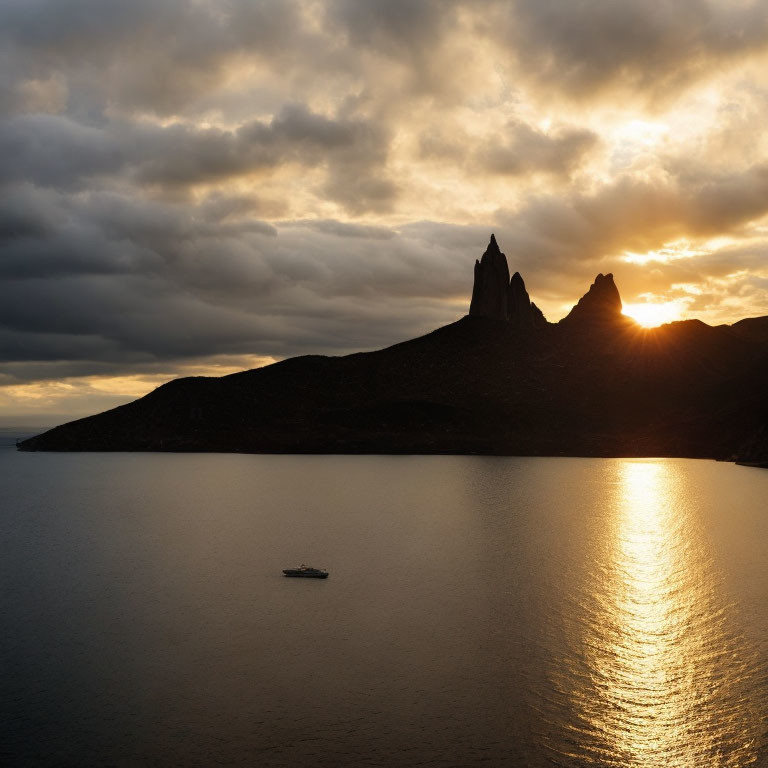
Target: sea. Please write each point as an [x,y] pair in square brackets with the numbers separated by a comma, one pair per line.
[480,611]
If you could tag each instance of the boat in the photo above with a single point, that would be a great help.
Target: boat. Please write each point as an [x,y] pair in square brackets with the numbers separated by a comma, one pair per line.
[306,572]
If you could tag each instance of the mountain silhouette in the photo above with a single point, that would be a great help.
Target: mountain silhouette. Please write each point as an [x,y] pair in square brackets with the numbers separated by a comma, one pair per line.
[502,380]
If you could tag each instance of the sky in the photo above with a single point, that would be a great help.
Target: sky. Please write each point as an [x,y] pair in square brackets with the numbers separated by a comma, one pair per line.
[196,187]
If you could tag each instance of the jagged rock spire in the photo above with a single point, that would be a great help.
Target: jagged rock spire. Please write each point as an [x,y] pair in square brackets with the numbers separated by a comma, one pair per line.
[600,302]
[489,293]
[495,295]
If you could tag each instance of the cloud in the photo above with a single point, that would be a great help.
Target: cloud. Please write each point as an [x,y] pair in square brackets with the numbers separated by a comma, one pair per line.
[342,229]
[56,151]
[179,154]
[636,214]
[516,150]
[581,49]
[521,149]
[121,279]
[177,57]
[50,150]
[150,55]
[414,37]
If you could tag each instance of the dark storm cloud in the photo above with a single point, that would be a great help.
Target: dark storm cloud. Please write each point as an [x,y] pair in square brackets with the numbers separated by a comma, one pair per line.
[25,213]
[54,234]
[23,347]
[51,150]
[180,154]
[56,151]
[580,48]
[119,279]
[121,321]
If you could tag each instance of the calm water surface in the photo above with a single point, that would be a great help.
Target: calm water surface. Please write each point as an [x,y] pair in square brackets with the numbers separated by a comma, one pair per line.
[480,611]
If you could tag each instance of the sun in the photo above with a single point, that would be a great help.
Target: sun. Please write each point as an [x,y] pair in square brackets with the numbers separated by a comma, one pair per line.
[650,314]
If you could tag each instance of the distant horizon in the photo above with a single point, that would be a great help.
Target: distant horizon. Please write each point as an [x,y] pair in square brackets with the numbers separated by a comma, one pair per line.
[45,421]
[9,426]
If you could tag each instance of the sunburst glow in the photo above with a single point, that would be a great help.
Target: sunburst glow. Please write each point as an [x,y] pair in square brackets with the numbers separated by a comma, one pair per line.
[650,314]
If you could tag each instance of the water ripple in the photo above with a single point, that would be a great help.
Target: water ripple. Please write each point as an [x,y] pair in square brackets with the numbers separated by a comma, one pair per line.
[654,670]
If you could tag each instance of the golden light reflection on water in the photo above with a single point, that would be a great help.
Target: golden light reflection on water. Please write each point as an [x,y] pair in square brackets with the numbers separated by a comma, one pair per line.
[658,674]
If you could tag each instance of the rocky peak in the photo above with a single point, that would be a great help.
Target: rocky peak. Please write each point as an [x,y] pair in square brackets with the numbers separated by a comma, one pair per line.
[495,295]
[489,293]
[600,302]
[521,310]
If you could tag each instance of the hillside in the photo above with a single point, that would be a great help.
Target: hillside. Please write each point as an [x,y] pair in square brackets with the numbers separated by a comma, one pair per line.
[501,380]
